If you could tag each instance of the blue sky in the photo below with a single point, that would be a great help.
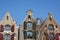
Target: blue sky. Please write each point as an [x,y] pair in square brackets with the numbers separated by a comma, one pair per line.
[40,8]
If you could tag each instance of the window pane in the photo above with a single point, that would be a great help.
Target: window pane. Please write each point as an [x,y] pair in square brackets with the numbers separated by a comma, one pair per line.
[51,36]
[7,28]
[51,27]
[7,37]
[38,22]
[29,26]
[29,34]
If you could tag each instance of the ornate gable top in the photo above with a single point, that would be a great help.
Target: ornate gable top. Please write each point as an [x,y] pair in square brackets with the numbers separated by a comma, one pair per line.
[29,12]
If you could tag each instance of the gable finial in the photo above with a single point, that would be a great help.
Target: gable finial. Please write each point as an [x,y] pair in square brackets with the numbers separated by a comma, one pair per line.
[49,14]
[7,13]
[29,12]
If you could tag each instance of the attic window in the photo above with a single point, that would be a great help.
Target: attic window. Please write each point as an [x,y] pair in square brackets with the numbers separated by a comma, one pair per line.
[29,18]
[7,17]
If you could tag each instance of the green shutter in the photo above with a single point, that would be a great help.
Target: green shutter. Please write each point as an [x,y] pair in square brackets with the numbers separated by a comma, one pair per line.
[25,34]
[34,34]
[25,25]
[34,26]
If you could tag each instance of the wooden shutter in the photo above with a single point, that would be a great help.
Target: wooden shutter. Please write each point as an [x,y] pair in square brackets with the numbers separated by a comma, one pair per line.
[1,36]
[34,34]
[47,36]
[2,28]
[34,26]
[25,25]
[56,36]
[12,37]
[12,28]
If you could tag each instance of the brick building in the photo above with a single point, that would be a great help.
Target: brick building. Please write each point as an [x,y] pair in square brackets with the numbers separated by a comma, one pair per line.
[30,28]
[8,28]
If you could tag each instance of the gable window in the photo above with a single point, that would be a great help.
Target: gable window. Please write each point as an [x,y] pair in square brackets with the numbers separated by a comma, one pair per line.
[51,27]
[29,26]
[7,37]
[29,18]
[7,28]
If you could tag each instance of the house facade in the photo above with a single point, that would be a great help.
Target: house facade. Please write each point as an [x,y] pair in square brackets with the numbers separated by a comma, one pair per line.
[30,28]
[8,28]
[49,29]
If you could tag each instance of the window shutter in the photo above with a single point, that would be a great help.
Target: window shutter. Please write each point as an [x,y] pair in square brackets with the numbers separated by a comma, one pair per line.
[12,37]
[12,28]
[25,34]
[1,36]
[25,25]
[34,26]
[47,36]
[56,36]
[2,28]
[34,34]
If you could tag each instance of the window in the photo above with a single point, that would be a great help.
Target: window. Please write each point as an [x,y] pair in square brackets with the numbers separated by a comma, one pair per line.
[29,34]
[38,21]
[29,26]
[51,27]
[7,37]
[7,28]
[7,17]
[51,36]
[29,18]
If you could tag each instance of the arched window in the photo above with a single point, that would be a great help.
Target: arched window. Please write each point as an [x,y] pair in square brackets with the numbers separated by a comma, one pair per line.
[7,28]
[7,37]
[51,27]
